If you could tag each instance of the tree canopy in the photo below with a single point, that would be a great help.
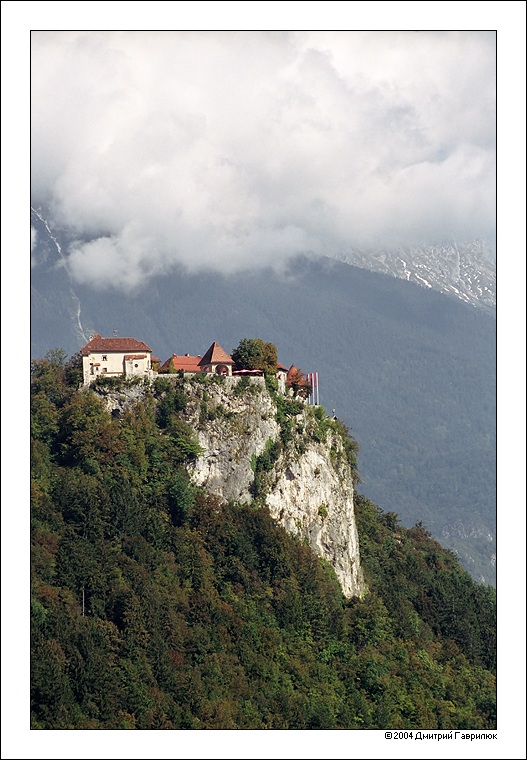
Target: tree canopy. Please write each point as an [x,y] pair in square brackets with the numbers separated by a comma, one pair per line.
[155,606]
[298,382]
[254,353]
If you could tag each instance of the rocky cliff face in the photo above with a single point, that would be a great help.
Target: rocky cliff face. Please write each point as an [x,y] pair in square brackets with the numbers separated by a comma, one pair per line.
[288,456]
[270,448]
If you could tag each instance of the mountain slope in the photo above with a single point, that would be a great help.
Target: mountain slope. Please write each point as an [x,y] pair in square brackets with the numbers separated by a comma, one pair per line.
[411,371]
[466,271]
[154,605]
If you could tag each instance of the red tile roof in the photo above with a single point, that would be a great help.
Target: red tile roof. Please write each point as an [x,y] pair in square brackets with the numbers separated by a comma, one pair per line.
[119,345]
[216,355]
[135,356]
[186,363]
[292,371]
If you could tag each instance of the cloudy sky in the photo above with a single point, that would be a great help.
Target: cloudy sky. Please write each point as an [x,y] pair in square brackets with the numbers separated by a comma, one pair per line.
[235,149]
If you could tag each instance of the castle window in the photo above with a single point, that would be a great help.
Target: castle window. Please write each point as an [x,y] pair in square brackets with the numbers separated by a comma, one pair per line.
[105,358]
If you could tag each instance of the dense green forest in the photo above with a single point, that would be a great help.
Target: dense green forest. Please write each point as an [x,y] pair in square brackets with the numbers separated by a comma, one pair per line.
[153,606]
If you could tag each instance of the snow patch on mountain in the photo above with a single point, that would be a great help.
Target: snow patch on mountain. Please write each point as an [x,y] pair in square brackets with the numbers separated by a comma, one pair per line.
[466,271]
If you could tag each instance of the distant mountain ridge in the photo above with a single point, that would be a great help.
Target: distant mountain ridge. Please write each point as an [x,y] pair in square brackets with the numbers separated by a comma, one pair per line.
[412,372]
[466,271]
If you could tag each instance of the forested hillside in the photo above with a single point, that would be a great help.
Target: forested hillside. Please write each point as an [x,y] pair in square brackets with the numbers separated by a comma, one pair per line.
[154,606]
[410,371]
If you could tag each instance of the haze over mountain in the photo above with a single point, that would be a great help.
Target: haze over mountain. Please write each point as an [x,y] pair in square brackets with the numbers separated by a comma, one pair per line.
[238,150]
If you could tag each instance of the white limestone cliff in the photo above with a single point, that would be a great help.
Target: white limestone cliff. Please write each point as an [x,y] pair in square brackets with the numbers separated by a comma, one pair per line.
[309,489]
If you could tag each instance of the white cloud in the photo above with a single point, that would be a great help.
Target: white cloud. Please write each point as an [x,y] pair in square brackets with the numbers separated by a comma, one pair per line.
[236,149]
